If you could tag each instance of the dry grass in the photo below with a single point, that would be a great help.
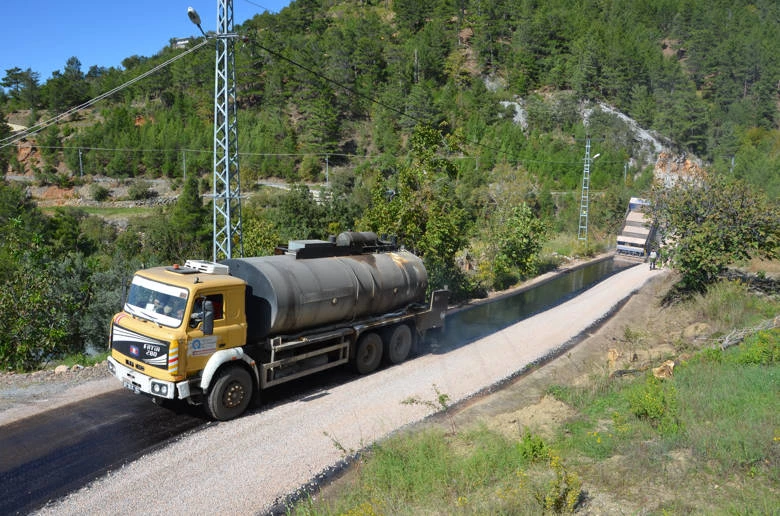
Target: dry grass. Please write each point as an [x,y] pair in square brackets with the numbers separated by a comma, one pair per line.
[769,267]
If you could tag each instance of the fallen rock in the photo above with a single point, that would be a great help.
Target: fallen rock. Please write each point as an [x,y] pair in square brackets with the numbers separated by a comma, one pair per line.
[665,370]
[612,357]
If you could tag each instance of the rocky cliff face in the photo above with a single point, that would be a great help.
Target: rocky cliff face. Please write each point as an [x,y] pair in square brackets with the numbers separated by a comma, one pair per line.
[670,169]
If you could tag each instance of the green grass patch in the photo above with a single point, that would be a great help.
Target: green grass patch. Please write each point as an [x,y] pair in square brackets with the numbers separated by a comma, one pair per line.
[588,438]
[431,469]
[562,245]
[108,212]
[731,406]
[597,390]
[763,348]
[606,424]
[477,471]
[83,359]
[655,401]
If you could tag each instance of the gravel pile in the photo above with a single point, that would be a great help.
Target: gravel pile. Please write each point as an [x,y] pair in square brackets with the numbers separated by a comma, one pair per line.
[60,374]
[20,390]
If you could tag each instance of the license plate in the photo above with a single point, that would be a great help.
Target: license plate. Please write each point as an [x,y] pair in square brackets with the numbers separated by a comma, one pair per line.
[129,386]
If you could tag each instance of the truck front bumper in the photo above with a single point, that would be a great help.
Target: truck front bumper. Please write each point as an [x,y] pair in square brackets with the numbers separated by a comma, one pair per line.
[141,383]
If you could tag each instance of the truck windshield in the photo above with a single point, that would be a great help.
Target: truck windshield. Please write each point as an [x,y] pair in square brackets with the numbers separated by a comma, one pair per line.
[157,302]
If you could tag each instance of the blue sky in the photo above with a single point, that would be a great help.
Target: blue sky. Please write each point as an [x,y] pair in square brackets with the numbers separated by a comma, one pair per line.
[42,35]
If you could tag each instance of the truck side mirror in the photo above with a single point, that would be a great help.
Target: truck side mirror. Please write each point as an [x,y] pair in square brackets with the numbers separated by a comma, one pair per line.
[208,318]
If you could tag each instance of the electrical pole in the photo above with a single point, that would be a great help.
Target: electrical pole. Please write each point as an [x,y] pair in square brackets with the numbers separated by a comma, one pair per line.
[582,233]
[227,184]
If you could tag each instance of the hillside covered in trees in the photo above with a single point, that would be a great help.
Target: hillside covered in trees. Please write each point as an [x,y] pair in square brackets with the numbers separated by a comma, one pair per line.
[459,126]
[351,79]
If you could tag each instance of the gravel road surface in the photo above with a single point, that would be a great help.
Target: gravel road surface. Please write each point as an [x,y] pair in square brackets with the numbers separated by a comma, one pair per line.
[247,465]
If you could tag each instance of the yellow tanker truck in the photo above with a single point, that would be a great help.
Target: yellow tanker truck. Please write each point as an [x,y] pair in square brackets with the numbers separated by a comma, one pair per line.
[217,334]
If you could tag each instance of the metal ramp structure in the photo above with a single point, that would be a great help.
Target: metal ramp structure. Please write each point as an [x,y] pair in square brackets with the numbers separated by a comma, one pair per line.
[634,239]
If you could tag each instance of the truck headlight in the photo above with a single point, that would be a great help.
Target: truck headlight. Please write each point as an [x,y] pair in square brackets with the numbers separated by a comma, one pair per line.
[159,388]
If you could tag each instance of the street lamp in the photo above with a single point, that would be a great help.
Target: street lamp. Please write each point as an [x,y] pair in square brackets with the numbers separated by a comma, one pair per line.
[195,18]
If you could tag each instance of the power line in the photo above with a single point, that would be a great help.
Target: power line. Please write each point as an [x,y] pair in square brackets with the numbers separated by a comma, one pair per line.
[357,93]
[333,81]
[286,154]
[136,149]
[398,111]
[46,123]
[42,125]
[258,5]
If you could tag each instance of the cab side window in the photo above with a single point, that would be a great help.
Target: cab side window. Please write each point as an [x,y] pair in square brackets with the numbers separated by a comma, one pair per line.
[217,302]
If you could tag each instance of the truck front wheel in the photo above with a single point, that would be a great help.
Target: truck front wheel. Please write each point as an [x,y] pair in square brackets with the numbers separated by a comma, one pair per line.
[368,353]
[230,394]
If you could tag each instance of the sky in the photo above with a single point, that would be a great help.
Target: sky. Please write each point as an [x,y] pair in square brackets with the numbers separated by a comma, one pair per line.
[44,34]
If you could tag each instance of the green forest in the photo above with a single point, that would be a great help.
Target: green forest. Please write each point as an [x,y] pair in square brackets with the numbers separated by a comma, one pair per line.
[457,125]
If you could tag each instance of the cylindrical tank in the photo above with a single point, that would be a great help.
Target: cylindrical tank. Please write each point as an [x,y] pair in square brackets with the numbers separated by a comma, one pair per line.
[287,295]
[350,238]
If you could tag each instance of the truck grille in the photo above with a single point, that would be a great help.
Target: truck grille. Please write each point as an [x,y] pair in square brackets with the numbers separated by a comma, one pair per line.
[139,347]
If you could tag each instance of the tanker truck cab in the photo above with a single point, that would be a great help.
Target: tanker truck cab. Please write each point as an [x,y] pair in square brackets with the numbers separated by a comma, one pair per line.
[217,334]
[181,330]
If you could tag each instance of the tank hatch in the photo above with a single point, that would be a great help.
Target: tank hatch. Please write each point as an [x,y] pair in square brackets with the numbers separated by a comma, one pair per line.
[348,243]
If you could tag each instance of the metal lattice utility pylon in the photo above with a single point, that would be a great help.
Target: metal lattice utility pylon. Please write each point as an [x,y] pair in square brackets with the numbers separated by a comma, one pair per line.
[227,184]
[582,233]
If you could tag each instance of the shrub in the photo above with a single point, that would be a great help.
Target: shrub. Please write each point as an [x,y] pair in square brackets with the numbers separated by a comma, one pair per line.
[139,191]
[533,448]
[98,192]
[656,402]
[563,491]
[763,348]
[63,181]
[713,355]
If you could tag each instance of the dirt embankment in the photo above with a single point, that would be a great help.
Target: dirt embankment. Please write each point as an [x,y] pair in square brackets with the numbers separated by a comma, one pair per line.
[622,342]
[643,334]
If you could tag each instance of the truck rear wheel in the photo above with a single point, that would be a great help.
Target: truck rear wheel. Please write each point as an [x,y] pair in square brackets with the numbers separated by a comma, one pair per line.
[230,394]
[399,343]
[368,353]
